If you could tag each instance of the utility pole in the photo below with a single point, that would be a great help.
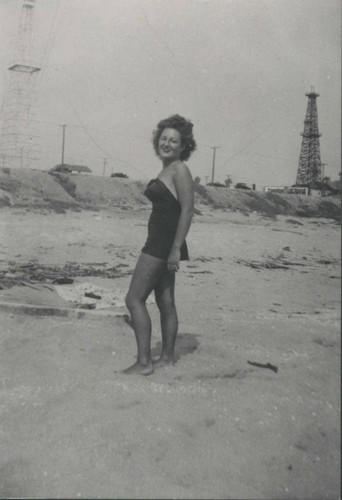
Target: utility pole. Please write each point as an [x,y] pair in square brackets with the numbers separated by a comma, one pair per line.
[214,148]
[322,179]
[322,169]
[104,166]
[63,143]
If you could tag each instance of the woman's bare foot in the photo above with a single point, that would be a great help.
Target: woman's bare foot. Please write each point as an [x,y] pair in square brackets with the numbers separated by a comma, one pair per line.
[163,361]
[139,369]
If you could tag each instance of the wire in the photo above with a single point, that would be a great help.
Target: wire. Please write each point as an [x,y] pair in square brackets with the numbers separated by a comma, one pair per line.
[247,145]
[51,41]
[100,148]
[156,32]
[271,156]
[95,142]
[108,130]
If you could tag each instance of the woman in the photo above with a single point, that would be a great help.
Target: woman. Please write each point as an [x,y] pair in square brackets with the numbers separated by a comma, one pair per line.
[172,196]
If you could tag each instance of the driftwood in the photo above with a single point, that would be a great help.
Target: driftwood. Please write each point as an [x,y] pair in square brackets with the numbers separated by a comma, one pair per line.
[262,365]
[31,273]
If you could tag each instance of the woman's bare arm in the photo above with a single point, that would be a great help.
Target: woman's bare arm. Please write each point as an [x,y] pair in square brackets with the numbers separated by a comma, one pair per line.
[185,193]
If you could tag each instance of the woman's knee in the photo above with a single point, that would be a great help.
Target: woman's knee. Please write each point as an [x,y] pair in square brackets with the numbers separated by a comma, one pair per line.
[166,304]
[133,300]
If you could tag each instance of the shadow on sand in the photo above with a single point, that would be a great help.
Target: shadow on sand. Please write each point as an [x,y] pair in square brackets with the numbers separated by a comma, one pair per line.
[186,343]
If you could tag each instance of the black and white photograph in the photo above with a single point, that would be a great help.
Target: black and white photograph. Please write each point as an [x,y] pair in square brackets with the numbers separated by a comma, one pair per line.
[170,249]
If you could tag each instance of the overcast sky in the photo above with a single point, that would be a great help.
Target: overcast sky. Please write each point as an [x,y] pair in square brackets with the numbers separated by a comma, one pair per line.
[239,69]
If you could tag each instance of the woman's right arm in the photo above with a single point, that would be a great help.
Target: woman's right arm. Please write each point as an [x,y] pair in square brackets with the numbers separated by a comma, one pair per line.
[185,193]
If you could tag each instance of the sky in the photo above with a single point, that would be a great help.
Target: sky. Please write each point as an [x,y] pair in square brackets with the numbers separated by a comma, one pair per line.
[238,69]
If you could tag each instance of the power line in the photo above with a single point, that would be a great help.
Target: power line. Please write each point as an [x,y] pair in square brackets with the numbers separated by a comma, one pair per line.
[247,145]
[156,33]
[63,143]
[107,130]
[51,41]
[271,156]
[100,148]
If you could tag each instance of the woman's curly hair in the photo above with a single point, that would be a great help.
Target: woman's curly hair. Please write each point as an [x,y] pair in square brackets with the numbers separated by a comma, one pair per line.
[184,127]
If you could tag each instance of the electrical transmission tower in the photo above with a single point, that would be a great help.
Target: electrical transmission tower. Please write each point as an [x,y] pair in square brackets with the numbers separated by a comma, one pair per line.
[309,167]
[19,146]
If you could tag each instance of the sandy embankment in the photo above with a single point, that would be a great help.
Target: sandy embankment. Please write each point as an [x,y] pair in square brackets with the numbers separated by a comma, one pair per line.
[256,289]
[39,190]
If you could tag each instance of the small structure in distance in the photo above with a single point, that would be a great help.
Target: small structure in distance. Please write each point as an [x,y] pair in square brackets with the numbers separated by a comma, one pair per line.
[120,175]
[242,185]
[216,184]
[70,169]
[302,190]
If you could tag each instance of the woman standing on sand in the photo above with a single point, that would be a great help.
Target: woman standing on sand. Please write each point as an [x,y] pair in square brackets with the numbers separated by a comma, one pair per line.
[172,196]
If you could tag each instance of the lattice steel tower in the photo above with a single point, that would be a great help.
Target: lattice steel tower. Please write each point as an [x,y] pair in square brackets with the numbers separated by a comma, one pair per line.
[309,167]
[20,145]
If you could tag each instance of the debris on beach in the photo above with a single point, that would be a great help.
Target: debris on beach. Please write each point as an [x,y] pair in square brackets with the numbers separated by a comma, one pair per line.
[87,294]
[63,281]
[280,262]
[263,365]
[92,295]
[33,272]
[262,265]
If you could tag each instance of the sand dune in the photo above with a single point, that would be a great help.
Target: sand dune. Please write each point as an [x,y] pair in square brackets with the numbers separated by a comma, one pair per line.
[39,189]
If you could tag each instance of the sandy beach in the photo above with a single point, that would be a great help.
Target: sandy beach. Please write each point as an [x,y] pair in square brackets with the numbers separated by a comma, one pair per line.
[226,112]
[257,289]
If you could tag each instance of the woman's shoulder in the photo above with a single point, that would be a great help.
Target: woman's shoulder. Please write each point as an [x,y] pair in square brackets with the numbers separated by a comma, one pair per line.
[180,169]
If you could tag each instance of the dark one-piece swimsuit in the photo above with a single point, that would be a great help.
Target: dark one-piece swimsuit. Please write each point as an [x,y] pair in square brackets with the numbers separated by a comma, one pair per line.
[163,222]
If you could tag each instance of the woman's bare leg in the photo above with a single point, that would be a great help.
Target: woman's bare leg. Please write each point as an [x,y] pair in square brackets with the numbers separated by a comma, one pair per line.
[165,298]
[147,273]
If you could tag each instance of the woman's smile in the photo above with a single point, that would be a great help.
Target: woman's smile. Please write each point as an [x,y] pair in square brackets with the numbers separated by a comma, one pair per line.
[170,145]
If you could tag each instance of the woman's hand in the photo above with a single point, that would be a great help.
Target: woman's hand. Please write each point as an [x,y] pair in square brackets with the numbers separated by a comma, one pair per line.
[173,260]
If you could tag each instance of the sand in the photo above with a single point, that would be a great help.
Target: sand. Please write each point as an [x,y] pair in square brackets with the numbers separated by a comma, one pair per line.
[258,289]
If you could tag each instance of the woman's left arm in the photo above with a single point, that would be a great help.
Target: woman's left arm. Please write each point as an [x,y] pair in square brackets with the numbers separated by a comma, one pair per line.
[185,192]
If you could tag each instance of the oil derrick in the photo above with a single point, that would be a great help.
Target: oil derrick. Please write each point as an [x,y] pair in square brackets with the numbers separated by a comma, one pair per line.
[19,145]
[309,167]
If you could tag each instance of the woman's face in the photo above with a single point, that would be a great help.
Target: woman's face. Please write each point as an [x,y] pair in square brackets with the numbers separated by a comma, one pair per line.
[170,145]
